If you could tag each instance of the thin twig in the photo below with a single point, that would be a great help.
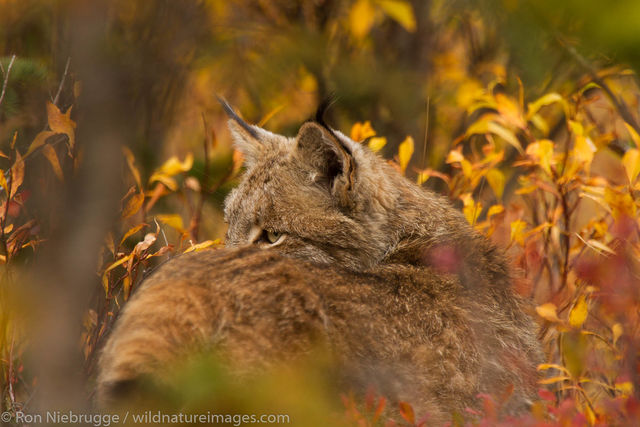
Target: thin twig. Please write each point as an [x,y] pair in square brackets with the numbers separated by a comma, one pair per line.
[64,77]
[426,135]
[6,78]
[197,215]
[618,103]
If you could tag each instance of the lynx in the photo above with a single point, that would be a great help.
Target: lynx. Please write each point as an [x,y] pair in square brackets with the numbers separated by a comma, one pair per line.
[331,247]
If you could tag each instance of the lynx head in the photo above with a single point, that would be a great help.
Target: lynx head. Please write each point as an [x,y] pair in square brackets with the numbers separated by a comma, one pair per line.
[318,195]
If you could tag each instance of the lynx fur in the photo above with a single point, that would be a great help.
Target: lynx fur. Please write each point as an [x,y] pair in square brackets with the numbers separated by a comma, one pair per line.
[331,247]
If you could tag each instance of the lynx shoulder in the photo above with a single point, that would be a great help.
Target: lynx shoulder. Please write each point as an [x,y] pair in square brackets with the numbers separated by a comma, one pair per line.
[414,336]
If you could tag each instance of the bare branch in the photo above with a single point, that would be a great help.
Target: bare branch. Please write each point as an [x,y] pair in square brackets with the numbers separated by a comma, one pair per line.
[64,77]
[6,78]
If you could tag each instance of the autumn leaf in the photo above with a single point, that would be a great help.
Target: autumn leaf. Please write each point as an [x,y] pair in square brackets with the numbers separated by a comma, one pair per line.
[172,167]
[616,331]
[405,151]
[496,181]
[174,221]
[400,11]
[51,155]
[61,123]
[3,182]
[361,18]
[17,174]
[631,163]
[548,99]
[578,313]
[406,411]
[203,245]
[621,204]
[471,209]
[133,205]
[548,312]
[542,152]
[376,143]
[517,231]
[361,131]
[39,141]
[131,232]
[132,167]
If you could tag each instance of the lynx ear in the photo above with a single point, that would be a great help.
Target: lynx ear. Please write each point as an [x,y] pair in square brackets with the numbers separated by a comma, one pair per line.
[246,138]
[322,150]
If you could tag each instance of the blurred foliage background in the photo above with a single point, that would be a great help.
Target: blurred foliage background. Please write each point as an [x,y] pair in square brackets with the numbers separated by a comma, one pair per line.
[80,81]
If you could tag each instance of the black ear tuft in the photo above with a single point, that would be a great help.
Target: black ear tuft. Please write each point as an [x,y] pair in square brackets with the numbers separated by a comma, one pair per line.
[232,114]
[323,108]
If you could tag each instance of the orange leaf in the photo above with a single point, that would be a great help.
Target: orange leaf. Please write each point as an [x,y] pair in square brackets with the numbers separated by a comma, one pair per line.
[548,312]
[39,141]
[361,131]
[361,18]
[17,174]
[132,167]
[131,232]
[406,411]
[61,123]
[51,155]
[133,205]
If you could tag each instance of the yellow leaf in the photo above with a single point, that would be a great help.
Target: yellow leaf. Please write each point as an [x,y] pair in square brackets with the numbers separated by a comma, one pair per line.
[616,330]
[548,312]
[591,417]
[376,143]
[517,231]
[583,151]
[542,152]
[126,285]
[495,210]
[131,232]
[361,131]
[405,151]
[133,205]
[203,245]
[455,156]
[545,100]
[3,182]
[633,134]
[545,366]
[361,18]
[626,388]
[505,134]
[467,169]
[51,155]
[269,115]
[132,167]
[17,174]
[554,380]
[169,182]
[578,313]
[174,221]
[631,162]
[471,209]
[621,203]
[173,166]
[496,181]
[61,123]
[39,141]
[400,11]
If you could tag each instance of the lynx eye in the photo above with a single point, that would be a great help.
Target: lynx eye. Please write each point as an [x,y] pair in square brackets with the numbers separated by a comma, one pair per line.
[271,236]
